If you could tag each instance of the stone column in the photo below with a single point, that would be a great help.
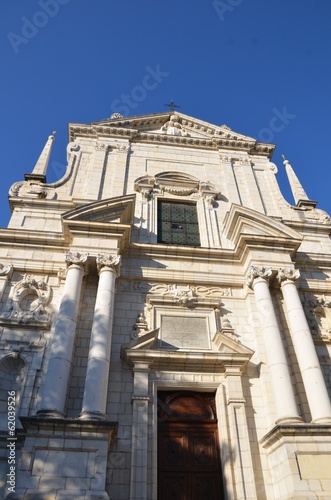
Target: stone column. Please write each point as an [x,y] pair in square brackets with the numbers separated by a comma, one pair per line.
[97,374]
[283,395]
[140,400]
[56,382]
[312,376]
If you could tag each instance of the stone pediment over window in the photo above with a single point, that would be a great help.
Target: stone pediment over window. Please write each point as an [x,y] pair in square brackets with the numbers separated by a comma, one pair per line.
[177,184]
[225,352]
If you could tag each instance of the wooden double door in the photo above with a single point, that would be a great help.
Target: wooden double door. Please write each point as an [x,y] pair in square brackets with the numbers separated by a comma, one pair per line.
[188,449]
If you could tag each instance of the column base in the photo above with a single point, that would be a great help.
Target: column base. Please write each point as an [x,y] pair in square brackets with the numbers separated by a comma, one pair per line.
[321,421]
[50,414]
[93,415]
[289,420]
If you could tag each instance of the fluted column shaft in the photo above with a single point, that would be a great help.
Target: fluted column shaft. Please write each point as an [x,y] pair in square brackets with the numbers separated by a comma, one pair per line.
[312,376]
[283,394]
[56,382]
[97,374]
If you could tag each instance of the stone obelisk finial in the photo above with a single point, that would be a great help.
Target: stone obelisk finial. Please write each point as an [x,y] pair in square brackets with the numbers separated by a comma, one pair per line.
[40,169]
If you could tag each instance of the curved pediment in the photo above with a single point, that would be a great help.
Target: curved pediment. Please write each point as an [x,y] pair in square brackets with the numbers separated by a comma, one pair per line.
[113,210]
[177,184]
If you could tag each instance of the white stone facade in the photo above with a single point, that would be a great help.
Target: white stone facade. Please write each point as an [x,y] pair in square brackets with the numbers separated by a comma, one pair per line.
[97,317]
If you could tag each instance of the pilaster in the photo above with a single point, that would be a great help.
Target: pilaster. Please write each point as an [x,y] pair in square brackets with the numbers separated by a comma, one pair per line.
[140,401]
[240,447]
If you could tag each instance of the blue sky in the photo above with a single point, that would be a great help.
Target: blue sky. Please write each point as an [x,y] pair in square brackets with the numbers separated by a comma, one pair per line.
[261,67]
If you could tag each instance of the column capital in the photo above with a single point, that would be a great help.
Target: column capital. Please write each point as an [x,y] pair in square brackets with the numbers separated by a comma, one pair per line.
[258,272]
[112,261]
[78,259]
[287,275]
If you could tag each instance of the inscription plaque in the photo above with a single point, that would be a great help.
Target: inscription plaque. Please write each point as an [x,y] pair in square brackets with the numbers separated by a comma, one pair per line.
[184,332]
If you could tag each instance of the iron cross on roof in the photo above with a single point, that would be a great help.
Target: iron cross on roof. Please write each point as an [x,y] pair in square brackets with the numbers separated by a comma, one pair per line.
[172,105]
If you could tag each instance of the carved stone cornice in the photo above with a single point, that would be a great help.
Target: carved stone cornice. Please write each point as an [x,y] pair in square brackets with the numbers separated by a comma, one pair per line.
[287,275]
[111,261]
[255,272]
[172,128]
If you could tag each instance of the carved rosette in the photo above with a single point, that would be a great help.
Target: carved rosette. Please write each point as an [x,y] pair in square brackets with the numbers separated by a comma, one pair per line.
[257,272]
[39,293]
[112,261]
[287,275]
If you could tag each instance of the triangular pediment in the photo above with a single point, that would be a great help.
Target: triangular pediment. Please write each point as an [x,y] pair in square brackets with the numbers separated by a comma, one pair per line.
[225,352]
[245,223]
[162,122]
[173,127]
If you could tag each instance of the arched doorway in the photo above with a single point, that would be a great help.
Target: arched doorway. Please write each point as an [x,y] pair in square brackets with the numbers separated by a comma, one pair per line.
[188,448]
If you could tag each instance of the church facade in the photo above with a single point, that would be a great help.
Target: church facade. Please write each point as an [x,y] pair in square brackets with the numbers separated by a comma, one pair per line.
[165,321]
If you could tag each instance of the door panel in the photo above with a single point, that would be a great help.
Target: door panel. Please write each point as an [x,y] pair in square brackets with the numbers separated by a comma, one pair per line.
[188,450]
